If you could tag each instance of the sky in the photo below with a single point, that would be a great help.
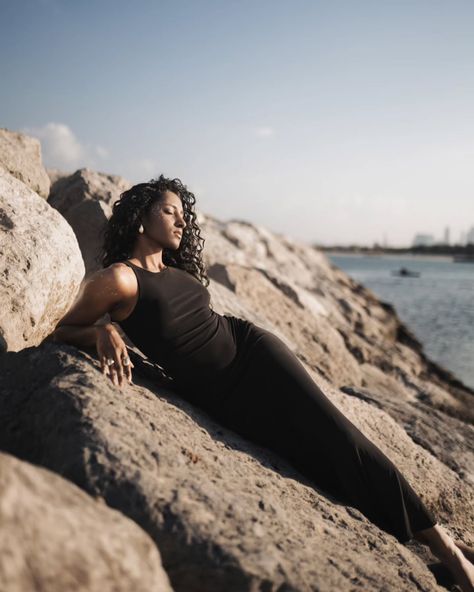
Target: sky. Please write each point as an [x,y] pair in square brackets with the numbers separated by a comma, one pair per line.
[336,122]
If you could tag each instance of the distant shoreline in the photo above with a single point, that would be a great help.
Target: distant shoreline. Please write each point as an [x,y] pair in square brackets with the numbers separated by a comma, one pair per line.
[435,251]
[407,255]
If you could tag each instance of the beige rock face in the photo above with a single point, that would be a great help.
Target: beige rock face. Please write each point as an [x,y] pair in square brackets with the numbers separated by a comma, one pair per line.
[40,265]
[85,199]
[225,513]
[20,155]
[55,537]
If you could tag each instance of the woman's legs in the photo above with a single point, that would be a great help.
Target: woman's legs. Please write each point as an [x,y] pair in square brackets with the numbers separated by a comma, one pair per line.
[450,553]
[273,400]
[276,402]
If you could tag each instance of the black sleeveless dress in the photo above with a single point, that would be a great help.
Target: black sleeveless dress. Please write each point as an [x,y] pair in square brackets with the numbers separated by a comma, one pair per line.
[250,381]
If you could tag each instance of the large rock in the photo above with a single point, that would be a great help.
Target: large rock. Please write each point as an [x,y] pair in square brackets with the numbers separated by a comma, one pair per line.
[85,199]
[55,537]
[225,513]
[20,155]
[41,266]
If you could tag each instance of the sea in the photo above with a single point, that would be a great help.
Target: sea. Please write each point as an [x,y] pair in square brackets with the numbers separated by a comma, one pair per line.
[438,306]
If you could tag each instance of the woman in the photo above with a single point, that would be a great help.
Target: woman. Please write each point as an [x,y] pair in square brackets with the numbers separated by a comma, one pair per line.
[154,286]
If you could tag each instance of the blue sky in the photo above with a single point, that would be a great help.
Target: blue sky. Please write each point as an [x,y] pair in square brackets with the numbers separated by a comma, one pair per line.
[334,122]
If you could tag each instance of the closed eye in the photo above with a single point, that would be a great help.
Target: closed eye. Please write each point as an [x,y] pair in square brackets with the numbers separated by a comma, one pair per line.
[172,212]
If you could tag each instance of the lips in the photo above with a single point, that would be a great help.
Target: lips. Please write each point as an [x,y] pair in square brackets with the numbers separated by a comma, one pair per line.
[178,234]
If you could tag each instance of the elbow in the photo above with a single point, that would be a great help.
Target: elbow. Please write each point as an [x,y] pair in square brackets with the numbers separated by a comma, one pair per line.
[59,335]
[51,338]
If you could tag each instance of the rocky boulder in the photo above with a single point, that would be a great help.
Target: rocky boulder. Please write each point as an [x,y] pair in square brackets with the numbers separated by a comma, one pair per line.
[20,155]
[55,537]
[41,266]
[85,199]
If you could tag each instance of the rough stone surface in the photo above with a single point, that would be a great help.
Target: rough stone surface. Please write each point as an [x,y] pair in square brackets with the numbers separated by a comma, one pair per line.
[41,266]
[85,199]
[225,513]
[20,155]
[55,537]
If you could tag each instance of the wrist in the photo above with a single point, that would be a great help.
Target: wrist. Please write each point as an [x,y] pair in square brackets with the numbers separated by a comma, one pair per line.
[106,327]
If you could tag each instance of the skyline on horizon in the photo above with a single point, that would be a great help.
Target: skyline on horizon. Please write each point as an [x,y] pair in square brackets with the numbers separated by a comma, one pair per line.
[332,124]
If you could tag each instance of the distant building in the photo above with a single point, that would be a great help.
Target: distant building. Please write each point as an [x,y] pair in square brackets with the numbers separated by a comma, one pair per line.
[446,235]
[470,235]
[423,240]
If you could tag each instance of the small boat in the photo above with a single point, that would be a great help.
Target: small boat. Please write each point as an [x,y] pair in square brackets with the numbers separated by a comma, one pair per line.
[404,272]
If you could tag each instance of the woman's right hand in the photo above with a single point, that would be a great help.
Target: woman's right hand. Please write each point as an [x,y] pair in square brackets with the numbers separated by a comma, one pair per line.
[110,346]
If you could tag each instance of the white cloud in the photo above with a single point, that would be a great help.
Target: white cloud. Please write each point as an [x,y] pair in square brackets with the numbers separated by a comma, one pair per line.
[264,132]
[61,149]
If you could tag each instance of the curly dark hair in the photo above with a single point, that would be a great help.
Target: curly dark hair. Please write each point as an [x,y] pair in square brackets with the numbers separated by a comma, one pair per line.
[121,230]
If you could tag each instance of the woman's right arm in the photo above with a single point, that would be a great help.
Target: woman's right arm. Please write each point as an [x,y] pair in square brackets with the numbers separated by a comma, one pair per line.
[98,295]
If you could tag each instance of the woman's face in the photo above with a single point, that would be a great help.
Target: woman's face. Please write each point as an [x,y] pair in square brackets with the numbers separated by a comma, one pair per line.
[164,222]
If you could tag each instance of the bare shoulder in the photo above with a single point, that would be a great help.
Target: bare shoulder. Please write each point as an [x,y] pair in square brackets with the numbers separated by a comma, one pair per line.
[101,292]
[117,278]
